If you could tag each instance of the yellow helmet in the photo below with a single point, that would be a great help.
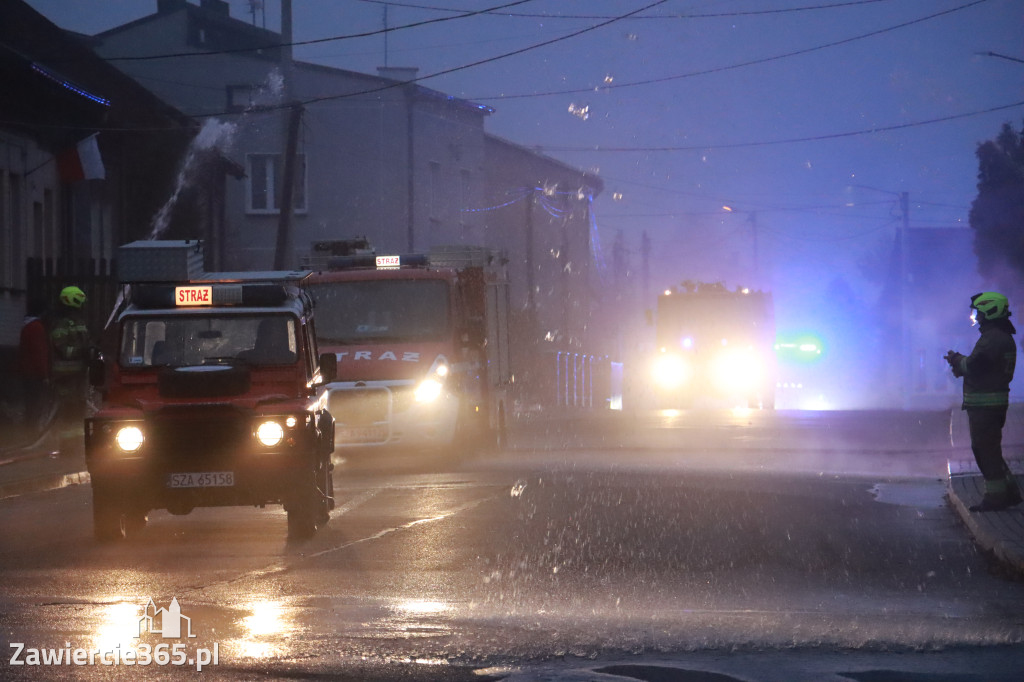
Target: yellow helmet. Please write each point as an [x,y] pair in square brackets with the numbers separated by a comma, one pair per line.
[72,297]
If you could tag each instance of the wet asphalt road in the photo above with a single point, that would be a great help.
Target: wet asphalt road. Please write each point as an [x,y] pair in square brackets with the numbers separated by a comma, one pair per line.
[732,542]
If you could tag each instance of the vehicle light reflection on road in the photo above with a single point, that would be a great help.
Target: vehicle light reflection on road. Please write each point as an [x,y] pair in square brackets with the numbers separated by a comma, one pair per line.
[118,627]
[421,607]
[267,624]
[415,618]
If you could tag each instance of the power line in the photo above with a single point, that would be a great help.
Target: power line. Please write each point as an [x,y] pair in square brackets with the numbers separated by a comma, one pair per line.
[714,15]
[793,140]
[488,59]
[731,67]
[271,46]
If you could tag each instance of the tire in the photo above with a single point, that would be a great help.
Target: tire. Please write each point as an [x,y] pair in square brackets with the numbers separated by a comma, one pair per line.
[108,519]
[301,521]
[310,509]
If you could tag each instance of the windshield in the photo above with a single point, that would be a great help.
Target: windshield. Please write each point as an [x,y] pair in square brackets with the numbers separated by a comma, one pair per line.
[181,341]
[352,313]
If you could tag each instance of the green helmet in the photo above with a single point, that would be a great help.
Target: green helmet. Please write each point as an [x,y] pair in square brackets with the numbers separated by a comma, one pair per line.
[990,305]
[72,296]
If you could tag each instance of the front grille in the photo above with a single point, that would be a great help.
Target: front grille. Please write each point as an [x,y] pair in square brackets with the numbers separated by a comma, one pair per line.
[403,398]
[199,434]
[360,406]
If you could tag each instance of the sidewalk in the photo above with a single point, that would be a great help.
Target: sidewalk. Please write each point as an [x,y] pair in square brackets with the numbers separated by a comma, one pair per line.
[999,533]
[29,467]
[41,466]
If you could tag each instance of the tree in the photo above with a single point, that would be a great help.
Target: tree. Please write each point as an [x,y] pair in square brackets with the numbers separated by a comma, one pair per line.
[997,214]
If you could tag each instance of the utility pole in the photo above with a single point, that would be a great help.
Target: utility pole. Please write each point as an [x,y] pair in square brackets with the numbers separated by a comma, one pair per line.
[904,352]
[752,219]
[645,252]
[292,119]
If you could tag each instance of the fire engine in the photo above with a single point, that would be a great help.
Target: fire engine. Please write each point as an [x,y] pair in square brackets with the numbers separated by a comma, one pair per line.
[421,342]
[715,347]
[213,395]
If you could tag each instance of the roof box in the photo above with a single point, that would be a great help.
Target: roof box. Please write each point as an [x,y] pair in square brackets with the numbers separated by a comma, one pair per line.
[160,260]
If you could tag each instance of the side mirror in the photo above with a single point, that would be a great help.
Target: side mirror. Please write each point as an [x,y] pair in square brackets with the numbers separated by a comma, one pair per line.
[328,367]
[95,368]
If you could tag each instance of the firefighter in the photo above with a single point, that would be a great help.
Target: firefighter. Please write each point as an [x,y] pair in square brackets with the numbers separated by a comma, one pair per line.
[987,372]
[69,340]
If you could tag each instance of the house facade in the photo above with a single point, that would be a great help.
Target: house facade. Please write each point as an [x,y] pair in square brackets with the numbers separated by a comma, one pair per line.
[87,156]
[374,155]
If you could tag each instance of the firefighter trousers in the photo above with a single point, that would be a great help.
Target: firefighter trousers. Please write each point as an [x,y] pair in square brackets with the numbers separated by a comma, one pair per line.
[986,428]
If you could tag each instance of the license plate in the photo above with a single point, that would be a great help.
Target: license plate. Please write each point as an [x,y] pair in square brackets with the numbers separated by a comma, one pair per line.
[201,479]
[362,434]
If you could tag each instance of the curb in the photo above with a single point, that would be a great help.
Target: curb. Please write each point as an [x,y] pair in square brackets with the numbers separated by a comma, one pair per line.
[998,533]
[39,484]
[38,467]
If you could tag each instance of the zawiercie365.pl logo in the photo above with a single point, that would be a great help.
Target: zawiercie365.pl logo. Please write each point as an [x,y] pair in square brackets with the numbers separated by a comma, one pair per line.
[167,622]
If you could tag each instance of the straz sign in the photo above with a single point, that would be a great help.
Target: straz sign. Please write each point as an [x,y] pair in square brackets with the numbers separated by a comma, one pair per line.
[389,262]
[193,295]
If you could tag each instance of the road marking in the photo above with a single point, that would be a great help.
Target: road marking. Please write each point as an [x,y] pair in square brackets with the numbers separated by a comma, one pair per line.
[405,526]
[288,563]
[355,502]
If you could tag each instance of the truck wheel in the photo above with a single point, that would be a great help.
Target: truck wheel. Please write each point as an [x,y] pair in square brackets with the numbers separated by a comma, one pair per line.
[310,509]
[301,521]
[108,520]
[326,489]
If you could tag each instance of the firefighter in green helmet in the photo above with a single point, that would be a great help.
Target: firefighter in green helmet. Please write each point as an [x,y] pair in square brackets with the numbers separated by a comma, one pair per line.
[987,372]
[69,341]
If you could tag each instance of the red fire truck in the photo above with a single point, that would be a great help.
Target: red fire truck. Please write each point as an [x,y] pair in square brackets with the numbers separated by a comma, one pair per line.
[421,342]
[213,395]
[715,347]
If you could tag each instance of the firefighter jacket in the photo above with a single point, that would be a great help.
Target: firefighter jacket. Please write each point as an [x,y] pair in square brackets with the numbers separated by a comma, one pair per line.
[69,338]
[987,371]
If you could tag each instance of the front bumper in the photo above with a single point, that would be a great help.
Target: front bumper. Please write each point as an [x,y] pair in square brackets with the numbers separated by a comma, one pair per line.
[151,485]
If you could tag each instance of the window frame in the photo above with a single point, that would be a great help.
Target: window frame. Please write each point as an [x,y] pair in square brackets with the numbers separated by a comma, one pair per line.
[270,178]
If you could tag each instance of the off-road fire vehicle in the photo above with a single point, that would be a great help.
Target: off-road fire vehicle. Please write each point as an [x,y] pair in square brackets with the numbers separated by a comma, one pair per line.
[213,395]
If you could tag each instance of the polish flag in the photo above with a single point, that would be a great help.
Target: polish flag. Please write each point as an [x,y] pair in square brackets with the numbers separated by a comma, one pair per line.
[82,162]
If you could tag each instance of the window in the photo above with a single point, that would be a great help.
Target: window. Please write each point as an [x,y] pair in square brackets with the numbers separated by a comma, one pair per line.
[265,180]
[240,97]
[384,311]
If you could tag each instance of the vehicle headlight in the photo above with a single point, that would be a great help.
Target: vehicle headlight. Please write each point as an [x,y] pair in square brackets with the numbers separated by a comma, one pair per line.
[129,438]
[670,370]
[270,433]
[429,390]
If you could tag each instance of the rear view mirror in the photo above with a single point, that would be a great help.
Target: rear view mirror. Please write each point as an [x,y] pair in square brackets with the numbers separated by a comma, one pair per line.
[328,367]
